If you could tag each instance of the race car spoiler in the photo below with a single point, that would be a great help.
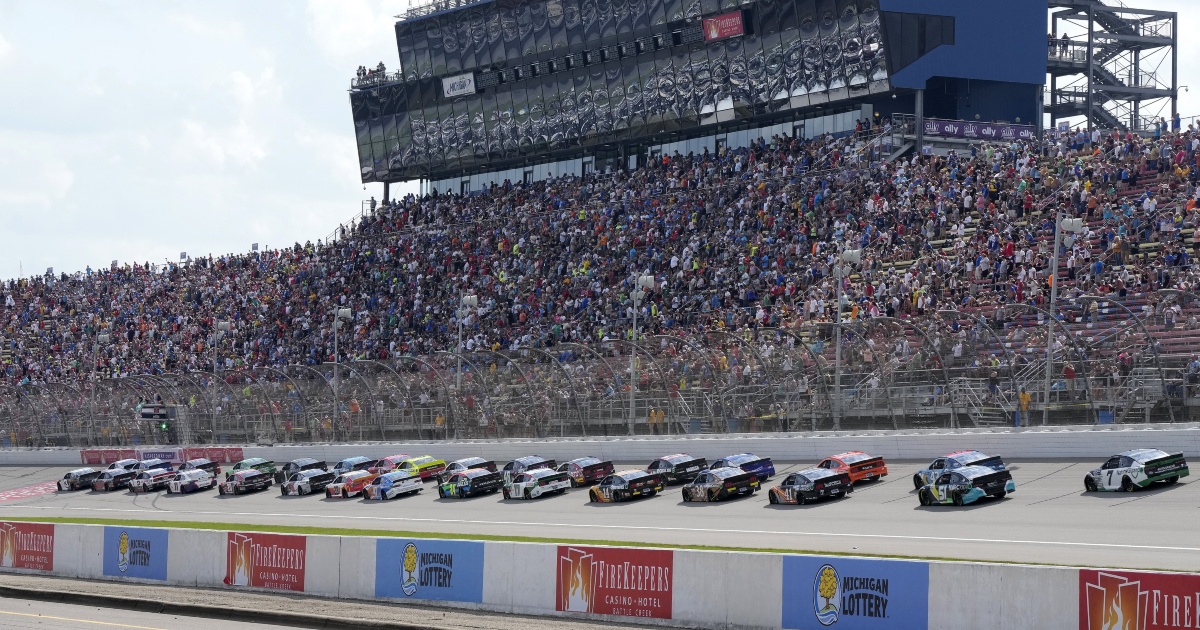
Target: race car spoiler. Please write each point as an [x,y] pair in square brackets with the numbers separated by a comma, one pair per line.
[649,481]
[991,462]
[866,463]
[1166,464]
[986,481]
[488,481]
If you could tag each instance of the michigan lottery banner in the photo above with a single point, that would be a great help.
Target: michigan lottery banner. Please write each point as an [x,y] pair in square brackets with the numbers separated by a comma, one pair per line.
[446,570]
[136,552]
[854,593]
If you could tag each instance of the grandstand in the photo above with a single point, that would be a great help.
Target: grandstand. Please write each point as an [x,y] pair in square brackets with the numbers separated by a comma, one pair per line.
[837,278]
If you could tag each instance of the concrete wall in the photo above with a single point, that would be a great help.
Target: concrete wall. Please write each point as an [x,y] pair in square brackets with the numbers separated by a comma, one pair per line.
[1089,442]
[708,589]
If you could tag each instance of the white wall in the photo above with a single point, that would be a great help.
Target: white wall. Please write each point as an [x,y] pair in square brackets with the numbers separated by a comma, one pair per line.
[997,596]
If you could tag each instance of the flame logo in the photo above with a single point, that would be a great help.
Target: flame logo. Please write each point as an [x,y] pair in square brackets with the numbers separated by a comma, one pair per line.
[8,546]
[241,564]
[577,587]
[1116,603]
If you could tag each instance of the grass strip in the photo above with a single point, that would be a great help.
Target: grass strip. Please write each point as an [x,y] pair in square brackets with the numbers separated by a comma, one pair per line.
[391,533]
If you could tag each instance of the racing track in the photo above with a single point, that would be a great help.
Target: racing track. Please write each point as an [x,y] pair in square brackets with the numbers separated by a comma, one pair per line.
[1048,520]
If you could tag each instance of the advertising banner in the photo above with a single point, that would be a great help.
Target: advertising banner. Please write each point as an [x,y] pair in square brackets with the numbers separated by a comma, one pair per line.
[854,593]
[615,581]
[266,561]
[978,131]
[459,85]
[173,455]
[1131,600]
[136,552]
[27,546]
[446,570]
[93,457]
[723,26]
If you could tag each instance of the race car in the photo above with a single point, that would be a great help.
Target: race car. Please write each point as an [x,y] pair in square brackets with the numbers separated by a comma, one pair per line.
[113,480]
[124,464]
[151,480]
[953,461]
[626,485]
[722,483]
[811,484]
[78,479]
[351,464]
[306,482]
[191,481]
[286,471]
[679,468]
[461,465]
[1131,470]
[425,466]
[585,471]
[153,464]
[535,483]
[248,480]
[393,484]
[470,482]
[760,466]
[212,467]
[527,463]
[255,463]
[349,484]
[967,484]
[387,464]
[859,465]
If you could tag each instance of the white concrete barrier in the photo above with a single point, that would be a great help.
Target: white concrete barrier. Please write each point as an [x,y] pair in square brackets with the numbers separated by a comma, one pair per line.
[1088,442]
[681,588]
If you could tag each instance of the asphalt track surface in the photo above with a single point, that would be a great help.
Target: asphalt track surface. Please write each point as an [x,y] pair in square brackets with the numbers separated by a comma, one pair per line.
[21,614]
[1049,519]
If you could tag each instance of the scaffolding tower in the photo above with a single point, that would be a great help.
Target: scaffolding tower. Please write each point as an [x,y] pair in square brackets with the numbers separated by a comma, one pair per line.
[1115,64]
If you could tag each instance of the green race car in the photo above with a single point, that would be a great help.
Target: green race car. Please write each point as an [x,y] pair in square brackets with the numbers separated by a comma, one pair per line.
[470,482]
[254,463]
[1135,469]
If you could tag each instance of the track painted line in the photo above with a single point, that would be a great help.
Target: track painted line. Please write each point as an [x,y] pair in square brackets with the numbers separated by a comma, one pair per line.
[72,620]
[49,487]
[340,517]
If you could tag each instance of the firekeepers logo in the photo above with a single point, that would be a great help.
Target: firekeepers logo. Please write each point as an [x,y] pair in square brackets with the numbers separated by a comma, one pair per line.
[613,581]
[27,546]
[266,561]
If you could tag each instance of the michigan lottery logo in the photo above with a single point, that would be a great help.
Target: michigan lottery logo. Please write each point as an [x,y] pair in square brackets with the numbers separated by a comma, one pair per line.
[847,596]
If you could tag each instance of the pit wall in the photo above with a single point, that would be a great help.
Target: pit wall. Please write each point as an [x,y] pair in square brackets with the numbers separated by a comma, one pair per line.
[701,589]
[1089,442]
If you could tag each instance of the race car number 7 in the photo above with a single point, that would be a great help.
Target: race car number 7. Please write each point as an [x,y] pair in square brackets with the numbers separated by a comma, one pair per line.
[1110,474]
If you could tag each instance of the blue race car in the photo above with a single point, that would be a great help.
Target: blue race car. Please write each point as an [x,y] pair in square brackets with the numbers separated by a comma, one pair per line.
[954,461]
[760,466]
[967,484]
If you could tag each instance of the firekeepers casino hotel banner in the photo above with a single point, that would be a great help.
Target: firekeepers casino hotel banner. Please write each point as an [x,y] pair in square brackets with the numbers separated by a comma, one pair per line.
[259,560]
[614,581]
[27,546]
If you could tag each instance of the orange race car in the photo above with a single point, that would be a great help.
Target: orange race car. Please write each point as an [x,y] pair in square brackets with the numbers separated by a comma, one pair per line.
[349,484]
[857,464]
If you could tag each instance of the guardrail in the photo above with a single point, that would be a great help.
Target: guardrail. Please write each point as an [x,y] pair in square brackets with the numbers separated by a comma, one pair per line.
[618,584]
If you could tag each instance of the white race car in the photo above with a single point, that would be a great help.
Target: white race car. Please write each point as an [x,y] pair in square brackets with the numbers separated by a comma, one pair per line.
[306,482]
[191,481]
[536,483]
[151,480]
[393,484]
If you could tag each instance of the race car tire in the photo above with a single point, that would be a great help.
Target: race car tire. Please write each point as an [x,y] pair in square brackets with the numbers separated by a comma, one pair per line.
[506,495]
[528,493]
[1127,484]
[591,496]
[1173,480]
[220,491]
[169,490]
[1001,494]
[237,490]
[957,498]
[1089,484]
[801,499]
[650,493]
[771,499]
[282,491]
[923,497]
[560,491]
[917,483]
[327,495]
[686,498]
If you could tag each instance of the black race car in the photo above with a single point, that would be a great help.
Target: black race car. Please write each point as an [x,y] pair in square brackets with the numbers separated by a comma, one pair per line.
[626,485]
[714,485]
[207,465]
[526,464]
[113,479]
[811,484]
[585,471]
[286,471]
[679,468]
[247,480]
[78,478]
[470,482]
[460,465]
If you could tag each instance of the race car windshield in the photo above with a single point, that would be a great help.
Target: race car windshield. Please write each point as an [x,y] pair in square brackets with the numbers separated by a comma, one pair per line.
[854,459]
[725,473]
[586,461]
[967,458]
[1147,455]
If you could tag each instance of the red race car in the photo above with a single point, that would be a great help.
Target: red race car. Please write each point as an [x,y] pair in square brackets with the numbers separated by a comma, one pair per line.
[858,465]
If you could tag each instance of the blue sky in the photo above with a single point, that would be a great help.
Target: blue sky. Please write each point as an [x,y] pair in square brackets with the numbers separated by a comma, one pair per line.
[135,131]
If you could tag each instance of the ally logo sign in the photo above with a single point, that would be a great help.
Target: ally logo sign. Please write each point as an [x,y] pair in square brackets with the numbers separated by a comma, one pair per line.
[445,570]
[854,593]
[136,552]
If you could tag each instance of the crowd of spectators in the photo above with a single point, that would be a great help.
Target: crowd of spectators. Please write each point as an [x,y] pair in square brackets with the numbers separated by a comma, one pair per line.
[742,238]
